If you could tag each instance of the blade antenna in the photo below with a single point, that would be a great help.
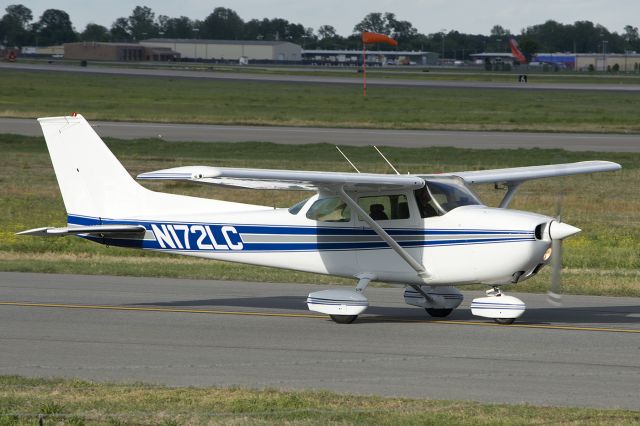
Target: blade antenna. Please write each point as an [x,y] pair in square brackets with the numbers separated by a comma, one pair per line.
[385,159]
[347,158]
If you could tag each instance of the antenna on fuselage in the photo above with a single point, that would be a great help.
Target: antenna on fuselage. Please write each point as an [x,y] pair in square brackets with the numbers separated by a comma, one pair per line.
[385,159]
[347,158]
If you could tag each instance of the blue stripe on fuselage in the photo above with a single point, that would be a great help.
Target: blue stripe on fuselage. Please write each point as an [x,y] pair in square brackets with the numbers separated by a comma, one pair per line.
[198,236]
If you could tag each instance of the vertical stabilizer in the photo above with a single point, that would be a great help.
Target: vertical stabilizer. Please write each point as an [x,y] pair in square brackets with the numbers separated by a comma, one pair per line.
[516,52]
[91,179]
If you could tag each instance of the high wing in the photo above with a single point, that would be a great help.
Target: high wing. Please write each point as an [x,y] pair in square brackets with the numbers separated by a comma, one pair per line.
[285,179]
[522,174]
[310,181]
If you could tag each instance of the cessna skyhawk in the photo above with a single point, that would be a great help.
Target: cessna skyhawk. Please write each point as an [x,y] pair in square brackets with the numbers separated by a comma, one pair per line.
[427,233]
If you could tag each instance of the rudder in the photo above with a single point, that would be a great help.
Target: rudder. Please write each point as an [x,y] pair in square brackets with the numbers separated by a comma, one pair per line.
[91,179]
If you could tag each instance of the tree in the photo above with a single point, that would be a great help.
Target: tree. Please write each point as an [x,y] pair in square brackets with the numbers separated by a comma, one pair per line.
[181,27]
[499,32]
[402,29]
[223,24]
[142,24]
[632,41]
[120,30]
[95,32]
[54,27]
[14,26]
[326,31]
[373,22]
[528,46]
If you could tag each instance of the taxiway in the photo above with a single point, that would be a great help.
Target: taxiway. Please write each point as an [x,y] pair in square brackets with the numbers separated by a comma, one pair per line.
[354,137]
[200,333]
[98,69]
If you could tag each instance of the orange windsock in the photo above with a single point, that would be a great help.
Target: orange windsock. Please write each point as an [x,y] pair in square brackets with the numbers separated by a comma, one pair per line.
[368,37]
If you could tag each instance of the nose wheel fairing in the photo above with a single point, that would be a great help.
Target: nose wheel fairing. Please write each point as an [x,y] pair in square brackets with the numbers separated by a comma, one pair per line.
[498,306]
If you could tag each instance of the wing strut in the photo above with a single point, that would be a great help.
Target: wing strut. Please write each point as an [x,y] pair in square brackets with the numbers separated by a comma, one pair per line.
[422,272]
[512,187]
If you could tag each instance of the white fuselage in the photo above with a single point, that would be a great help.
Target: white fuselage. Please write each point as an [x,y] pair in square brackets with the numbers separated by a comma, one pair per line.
[469,244]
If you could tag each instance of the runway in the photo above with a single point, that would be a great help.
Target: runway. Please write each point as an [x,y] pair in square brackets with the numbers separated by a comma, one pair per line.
[98,69]
[199,333]
[353,137]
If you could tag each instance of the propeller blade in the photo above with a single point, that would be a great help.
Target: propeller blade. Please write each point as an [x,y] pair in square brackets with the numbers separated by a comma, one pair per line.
[560,231]
[553,295]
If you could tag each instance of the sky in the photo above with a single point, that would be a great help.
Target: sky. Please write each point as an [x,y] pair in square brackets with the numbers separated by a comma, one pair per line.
[428,16]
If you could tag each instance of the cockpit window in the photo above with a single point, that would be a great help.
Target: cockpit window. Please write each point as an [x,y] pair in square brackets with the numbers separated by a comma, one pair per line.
[442,195]
[331,209]
[295,209]
[386,207]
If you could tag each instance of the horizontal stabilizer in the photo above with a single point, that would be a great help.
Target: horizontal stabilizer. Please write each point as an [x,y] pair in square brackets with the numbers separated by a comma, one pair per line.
[109,230]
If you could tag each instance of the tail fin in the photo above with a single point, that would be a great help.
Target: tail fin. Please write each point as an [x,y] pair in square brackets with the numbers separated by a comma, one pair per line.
[516,52]
[91,179]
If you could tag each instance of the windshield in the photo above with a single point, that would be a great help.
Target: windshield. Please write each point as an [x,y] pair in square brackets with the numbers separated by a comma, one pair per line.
[298,206]
[443,194]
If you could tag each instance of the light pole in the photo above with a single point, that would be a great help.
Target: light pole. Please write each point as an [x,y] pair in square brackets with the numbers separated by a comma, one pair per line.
[195,44]
[604,55]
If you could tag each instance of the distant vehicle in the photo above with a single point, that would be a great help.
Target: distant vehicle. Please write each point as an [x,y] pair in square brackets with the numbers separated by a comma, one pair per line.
[57,56]
[10,55]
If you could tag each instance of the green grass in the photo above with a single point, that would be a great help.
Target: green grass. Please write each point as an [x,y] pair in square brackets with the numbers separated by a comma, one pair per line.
[601,260]
[75,402]
[36,94]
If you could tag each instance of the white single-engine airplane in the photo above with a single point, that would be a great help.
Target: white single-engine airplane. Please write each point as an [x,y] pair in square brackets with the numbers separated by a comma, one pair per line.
[426,233]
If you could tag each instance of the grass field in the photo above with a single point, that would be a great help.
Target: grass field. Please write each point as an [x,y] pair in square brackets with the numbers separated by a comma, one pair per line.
[601,260]
[74,402]
[36,94]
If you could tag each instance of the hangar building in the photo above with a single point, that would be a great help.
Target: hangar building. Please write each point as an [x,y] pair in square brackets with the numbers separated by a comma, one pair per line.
[89,50]
[374,57]
[229,50]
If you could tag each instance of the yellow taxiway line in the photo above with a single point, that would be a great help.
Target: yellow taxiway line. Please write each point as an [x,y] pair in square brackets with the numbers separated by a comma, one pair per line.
[315,316]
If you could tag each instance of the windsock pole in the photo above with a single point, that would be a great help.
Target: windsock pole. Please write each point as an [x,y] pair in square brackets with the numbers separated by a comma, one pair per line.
[364,69]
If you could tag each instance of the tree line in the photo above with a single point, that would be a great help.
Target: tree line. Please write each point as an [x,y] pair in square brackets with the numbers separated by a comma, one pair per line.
[18,28]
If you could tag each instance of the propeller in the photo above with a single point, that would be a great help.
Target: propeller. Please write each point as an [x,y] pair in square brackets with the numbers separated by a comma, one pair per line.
[558,231]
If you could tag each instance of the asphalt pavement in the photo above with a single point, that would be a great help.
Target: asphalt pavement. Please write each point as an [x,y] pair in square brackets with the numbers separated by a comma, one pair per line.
[354,137]
[99,69]
[200,333]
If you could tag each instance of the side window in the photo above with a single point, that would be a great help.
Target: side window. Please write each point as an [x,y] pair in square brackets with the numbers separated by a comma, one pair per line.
[329,210]
[386,207]
[426,205]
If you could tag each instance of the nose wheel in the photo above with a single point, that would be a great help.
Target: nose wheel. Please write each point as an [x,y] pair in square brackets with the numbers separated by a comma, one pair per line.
[438,313]
[343,319]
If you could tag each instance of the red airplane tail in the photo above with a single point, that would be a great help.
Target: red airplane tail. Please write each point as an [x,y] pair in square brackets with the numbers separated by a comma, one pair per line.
[516,52]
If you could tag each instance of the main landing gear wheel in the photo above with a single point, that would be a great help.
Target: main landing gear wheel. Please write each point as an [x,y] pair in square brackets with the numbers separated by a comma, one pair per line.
[438,313]
[504,321]
[344,319]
